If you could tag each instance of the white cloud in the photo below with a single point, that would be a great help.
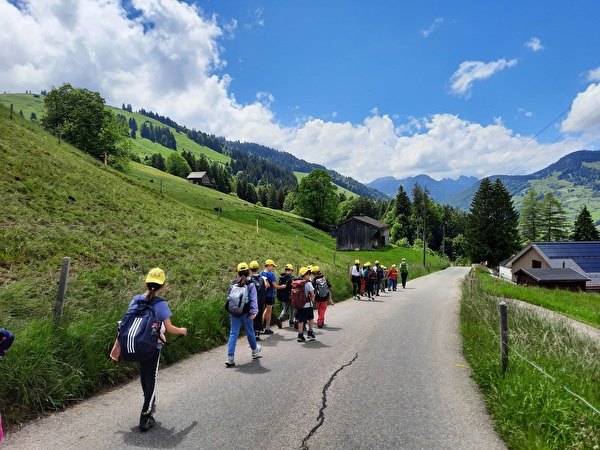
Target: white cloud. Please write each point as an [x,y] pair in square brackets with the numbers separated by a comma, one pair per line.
[534,44]
[434,26]
[470,71]
[594,75]
[164,58]
[585,112]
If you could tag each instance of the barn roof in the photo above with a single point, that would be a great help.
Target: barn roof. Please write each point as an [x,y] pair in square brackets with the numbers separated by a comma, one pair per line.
[585,254]
[195,175]
[368,220]
[547,275]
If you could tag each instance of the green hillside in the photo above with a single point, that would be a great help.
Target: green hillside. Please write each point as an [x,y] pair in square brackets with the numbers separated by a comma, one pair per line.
[58,201]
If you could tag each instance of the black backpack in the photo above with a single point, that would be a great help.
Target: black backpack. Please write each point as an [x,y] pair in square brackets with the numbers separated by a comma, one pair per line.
[139,330]
[285,279]
[261,287]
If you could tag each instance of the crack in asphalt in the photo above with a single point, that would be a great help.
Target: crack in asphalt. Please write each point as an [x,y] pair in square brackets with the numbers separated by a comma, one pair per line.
[321,416]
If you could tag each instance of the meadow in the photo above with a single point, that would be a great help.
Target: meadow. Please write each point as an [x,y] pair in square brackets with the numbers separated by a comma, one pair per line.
[530,404]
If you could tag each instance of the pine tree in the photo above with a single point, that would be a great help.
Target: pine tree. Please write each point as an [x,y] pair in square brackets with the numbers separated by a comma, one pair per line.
[584,229]
[554,220]
[530,221]
[492,226]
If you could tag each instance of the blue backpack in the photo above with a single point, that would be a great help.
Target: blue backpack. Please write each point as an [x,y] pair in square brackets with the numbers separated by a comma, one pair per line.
[139,331]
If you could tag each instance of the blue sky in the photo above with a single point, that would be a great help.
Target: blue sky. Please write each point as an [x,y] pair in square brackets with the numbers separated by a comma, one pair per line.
[369,89]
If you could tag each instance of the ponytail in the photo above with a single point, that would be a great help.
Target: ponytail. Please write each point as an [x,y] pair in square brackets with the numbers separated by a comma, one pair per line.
[151,290]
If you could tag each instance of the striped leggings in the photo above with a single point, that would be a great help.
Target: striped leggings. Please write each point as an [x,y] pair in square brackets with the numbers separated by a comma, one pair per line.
[148,377]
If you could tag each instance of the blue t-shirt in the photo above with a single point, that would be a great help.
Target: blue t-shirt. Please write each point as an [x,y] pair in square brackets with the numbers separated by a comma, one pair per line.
[160,308]
[271,278]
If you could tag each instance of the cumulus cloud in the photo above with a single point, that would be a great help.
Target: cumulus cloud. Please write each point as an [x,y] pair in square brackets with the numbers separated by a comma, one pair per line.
[594,75]
[165,56]
[434,26]
[584,114]
[534,44]
[470,71]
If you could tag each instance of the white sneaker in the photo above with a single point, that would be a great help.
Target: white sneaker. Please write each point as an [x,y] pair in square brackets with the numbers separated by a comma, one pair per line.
[256,351]
[229,362]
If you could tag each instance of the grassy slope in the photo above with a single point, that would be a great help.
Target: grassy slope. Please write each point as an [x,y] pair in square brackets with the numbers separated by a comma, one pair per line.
[59,202]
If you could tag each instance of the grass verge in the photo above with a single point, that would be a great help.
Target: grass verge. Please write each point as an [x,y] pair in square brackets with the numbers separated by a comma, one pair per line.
[531,410]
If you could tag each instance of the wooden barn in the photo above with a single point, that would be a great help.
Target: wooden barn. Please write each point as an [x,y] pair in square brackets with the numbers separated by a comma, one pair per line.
[566,279]
[361,233]
[199,178]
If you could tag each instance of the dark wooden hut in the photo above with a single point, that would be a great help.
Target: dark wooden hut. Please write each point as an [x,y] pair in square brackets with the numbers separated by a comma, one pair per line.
[361,233]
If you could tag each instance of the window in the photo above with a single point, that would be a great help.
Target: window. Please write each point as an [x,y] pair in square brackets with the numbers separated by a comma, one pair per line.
[536,264]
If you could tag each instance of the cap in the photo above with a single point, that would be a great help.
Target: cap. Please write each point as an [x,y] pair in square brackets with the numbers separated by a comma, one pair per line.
[242,266]
[403,259]
[304,271]
[356,261]
[368,264]
[376,262]
[253,264]
[393,265]
[289,267]
[270,262]
[309,267]
[156,275]
[315,269]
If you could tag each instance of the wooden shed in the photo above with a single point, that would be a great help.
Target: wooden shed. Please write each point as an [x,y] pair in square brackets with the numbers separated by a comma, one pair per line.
[361,233]
[567,279]
[200,178]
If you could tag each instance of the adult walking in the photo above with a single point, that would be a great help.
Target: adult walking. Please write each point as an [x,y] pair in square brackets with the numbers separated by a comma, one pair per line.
[355,279]
[155,283]
[403,272]
[247,317]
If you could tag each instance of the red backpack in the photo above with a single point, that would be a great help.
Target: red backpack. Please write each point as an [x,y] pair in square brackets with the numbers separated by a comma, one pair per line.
[298,295]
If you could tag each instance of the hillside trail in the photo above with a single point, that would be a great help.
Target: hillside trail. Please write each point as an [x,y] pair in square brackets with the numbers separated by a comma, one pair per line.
[382,374]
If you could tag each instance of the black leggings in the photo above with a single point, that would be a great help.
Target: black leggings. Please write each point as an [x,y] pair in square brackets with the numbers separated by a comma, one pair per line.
[355,285]
[148,376]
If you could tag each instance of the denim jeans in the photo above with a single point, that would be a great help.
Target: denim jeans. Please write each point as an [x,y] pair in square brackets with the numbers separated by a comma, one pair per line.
[235,323]
[392,284]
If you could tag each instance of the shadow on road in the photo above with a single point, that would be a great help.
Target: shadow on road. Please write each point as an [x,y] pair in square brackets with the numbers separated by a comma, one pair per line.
[254,367]
[156,437]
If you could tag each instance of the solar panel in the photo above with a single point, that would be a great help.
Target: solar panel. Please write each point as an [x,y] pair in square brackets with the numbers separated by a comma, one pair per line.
[585,254]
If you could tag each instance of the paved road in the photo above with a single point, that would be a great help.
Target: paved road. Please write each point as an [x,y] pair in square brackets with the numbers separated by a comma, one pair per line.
[383,374]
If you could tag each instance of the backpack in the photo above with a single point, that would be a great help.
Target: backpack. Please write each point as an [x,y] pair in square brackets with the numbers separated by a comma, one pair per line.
[403,268]
[298,295]
[283,295]
[321,287]
[261,287]
[139,331]
[372,275]
[238,302]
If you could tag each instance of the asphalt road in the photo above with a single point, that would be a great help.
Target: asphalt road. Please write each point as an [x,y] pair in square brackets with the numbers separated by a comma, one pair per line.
[386,374]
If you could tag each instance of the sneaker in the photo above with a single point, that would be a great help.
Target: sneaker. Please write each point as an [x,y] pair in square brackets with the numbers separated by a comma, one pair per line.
[291,324]
[256,351]
[268,331]
[311,336]
[229,362]
[279,322]
[146,421]
[301,338]
[319,325]
[295,325]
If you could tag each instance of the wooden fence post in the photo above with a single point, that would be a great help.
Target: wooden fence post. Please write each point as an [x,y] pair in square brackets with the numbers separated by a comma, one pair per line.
[62,289]
[504,336]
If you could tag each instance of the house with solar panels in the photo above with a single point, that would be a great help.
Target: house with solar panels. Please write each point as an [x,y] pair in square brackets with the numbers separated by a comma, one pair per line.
[565,265]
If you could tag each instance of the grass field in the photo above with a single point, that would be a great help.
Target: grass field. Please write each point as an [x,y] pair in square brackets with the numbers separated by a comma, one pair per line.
[531,410]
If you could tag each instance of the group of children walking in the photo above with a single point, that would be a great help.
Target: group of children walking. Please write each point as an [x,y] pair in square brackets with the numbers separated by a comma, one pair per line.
[370,280]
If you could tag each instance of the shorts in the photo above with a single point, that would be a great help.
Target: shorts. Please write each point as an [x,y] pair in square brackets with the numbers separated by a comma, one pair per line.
[269,301]
[305,314]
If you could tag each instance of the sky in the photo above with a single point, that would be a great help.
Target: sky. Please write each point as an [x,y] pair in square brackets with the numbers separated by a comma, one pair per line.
[369,89]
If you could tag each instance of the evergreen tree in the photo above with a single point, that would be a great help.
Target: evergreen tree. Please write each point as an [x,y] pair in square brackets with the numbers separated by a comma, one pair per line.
[530,220]
[554,219]
[492,226]
[158,162]
[584,229]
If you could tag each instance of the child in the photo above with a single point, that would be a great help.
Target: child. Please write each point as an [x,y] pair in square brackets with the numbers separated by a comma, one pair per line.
[6,340]
[246,320]
[392,276]
[306,314]
[155,282]
[283,295]
[322,294]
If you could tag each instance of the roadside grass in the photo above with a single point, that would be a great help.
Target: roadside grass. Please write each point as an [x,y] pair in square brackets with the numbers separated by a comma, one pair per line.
[530,410]
[60,202]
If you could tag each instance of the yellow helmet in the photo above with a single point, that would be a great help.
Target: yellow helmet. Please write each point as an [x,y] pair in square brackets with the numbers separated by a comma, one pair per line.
[242,266]
[156,275]
[304,271]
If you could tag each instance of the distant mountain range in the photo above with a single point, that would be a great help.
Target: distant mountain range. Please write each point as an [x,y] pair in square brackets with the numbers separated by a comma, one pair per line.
[574,180]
